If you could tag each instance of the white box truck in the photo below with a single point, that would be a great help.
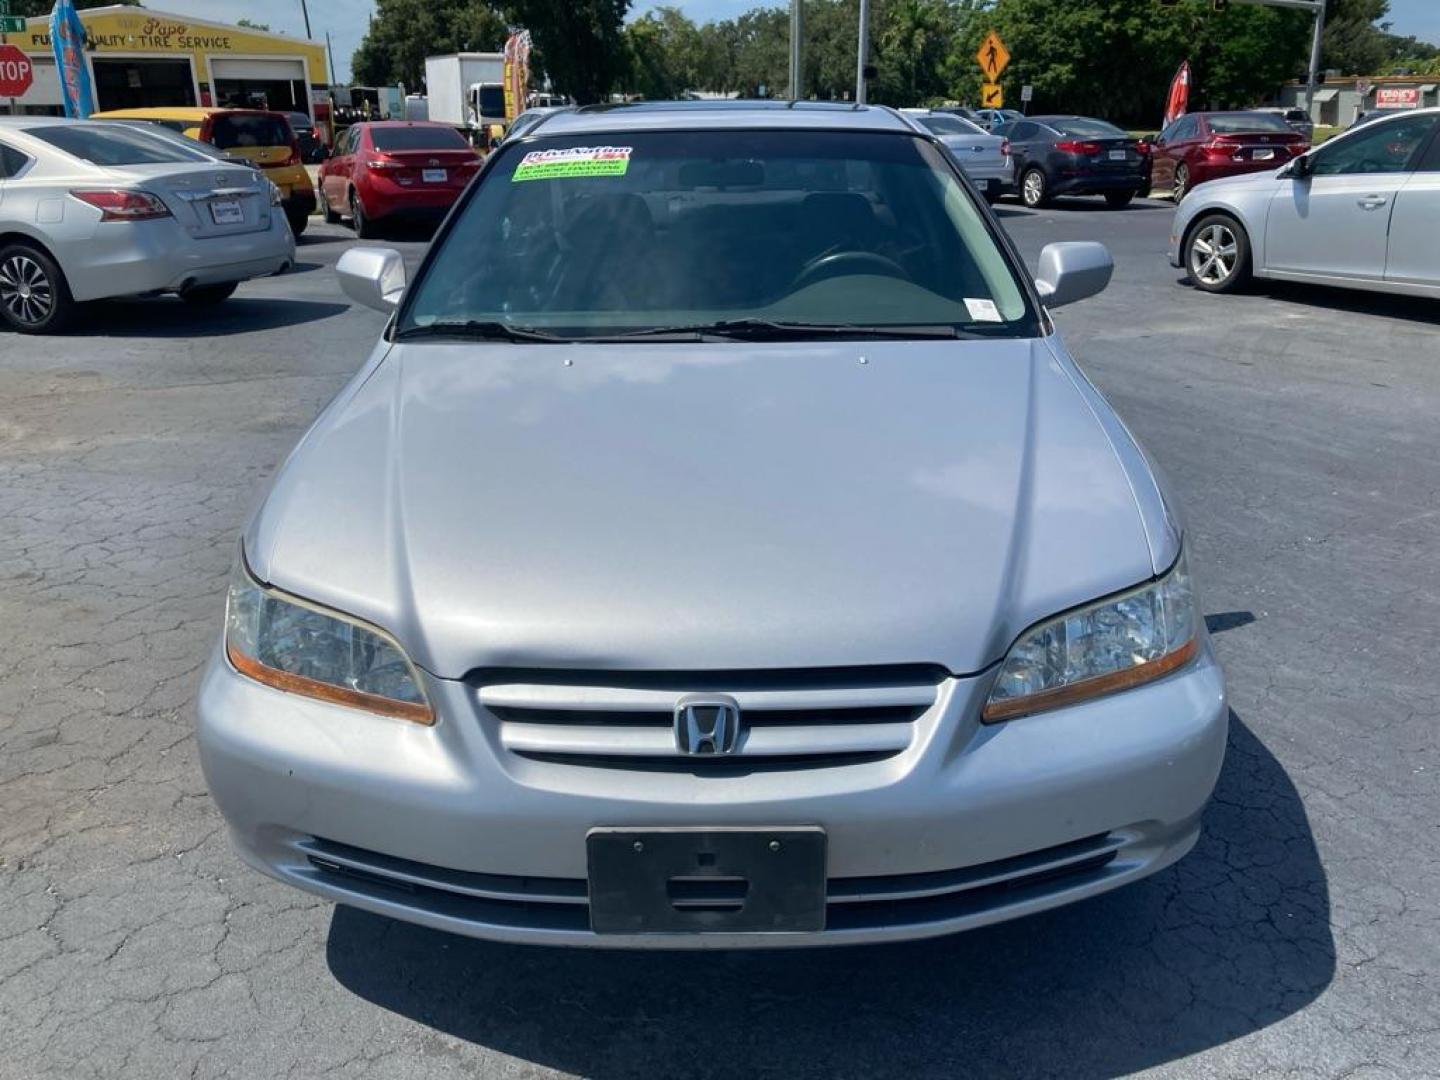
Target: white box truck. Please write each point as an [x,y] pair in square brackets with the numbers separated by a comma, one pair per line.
[466,91]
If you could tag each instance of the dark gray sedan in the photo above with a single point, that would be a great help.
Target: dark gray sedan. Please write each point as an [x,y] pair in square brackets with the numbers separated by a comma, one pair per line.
[1076,155]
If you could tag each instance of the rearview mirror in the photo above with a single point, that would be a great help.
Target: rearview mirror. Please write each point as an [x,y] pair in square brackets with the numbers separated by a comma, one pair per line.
[372,276]
[1072,271]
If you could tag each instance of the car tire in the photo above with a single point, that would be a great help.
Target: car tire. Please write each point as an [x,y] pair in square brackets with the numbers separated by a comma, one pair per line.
[297,223]
[1181,186]
[1034,188]
[209,295]
[1118,200]
[363,226]
[331,217]
[1217,254]
[34,296]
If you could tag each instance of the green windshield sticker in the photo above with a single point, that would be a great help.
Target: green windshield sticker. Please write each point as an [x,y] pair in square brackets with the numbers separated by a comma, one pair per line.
[576,161]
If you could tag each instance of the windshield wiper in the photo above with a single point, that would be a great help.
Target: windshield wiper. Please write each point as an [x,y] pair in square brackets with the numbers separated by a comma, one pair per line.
[772,330]
[479,330]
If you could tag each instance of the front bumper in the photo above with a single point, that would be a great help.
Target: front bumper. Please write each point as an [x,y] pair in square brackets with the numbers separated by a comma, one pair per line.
[129,258]
[971,825]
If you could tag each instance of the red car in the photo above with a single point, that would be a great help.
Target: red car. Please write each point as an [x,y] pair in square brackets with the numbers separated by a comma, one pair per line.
[393,170]
[1208,145]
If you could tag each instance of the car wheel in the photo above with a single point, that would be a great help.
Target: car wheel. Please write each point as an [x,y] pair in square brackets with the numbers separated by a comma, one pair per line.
[1034,188]
[297,223]
[34,298]
[331,217]
[209,295]
[1117,200]
[1182,182]
[1217,254]
[364,227]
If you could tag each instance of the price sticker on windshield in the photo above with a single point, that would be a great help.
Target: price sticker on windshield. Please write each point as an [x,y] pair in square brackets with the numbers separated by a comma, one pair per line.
[576,161]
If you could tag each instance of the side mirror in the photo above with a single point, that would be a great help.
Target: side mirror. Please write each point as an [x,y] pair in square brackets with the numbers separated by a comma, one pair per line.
[372,276]
[1073,271]
[1302,168]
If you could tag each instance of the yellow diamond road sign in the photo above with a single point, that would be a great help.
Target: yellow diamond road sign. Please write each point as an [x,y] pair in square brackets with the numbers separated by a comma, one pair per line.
[991,96]
[993,56]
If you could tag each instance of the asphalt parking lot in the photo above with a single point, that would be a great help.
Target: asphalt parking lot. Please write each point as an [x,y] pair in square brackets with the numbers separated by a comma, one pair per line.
[1301,938]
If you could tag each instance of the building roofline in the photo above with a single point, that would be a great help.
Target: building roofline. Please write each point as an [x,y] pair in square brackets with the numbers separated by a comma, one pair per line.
[130,9]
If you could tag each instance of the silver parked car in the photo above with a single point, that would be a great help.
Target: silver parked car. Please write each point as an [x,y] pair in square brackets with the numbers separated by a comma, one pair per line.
[984,157]
[649,586]
[1359,211]
[90,210]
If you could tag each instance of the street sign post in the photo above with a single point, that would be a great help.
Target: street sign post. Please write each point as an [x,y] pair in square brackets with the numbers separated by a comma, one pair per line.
[16,72]
[993,57]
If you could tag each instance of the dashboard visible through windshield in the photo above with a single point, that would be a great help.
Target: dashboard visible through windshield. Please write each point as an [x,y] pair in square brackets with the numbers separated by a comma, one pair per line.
[598,236]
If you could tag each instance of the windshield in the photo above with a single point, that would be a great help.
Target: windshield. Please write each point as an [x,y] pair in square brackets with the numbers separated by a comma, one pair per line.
[105,143]
[950,125]
[588,236]
[1084,128]
[232,131]
[417,138]
[1237,123]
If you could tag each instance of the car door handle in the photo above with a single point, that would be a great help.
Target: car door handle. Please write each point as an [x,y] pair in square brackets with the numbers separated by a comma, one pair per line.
[1372,202]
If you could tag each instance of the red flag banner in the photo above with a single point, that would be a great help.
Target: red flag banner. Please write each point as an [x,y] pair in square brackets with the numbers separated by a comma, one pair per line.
[1178,102]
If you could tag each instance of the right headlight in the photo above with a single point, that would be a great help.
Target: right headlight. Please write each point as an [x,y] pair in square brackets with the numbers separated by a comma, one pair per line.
[302,648]
[1098,649]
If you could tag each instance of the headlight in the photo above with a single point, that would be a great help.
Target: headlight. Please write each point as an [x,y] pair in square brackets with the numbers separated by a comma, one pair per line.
[1107,646]
[295,646]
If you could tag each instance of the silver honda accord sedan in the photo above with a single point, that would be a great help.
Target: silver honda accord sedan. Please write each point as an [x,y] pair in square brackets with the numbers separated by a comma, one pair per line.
[91,210]
[720,548]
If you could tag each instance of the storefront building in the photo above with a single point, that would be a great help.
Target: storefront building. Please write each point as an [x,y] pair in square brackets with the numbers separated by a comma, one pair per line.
[139,58]
[1341,100]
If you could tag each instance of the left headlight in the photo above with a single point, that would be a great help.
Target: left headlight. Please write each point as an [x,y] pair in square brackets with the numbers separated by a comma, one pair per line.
[1107,646]
[295,646]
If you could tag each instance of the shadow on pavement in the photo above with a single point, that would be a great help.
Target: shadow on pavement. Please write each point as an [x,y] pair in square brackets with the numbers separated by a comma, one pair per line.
[1233,938]
[1357,301]
[170,317]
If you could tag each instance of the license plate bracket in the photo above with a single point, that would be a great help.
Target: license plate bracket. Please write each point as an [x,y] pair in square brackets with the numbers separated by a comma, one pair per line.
[706,881]
[433,176]
[227,212]
[1118,155]
[1262,155]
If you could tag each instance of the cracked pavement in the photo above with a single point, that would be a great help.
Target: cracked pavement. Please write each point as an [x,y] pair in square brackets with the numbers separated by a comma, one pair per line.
[1300,939]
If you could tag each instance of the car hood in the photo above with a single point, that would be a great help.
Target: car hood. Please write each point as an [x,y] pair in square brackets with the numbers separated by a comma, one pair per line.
[707,506]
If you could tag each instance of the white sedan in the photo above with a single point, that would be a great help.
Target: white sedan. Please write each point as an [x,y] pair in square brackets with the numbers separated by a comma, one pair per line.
[90,210]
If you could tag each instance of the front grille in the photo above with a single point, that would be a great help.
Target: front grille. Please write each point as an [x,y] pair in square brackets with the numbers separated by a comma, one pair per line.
[851,903]
[790,719]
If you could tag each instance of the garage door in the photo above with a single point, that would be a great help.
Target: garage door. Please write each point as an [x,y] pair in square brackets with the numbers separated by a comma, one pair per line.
[257,70]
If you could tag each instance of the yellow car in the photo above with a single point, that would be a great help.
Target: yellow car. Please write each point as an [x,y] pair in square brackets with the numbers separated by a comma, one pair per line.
[263,138]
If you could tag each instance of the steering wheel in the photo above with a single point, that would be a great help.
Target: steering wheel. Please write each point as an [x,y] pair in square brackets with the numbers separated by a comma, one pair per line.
[830,264]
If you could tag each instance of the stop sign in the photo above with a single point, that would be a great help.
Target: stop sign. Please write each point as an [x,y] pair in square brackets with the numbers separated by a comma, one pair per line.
[16,72]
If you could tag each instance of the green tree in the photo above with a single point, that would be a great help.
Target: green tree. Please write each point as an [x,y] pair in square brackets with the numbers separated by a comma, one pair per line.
[248,25]
[404,32]
[665,52]
[580,44]
[1354,43]
[1115,58]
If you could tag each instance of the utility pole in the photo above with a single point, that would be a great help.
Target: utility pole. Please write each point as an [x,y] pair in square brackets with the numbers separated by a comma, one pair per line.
[330,51]
[863,59]
[1315,44]
[306,12]
[797,29]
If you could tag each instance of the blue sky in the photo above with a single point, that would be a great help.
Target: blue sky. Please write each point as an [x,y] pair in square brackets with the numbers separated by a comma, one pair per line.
[346,19]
